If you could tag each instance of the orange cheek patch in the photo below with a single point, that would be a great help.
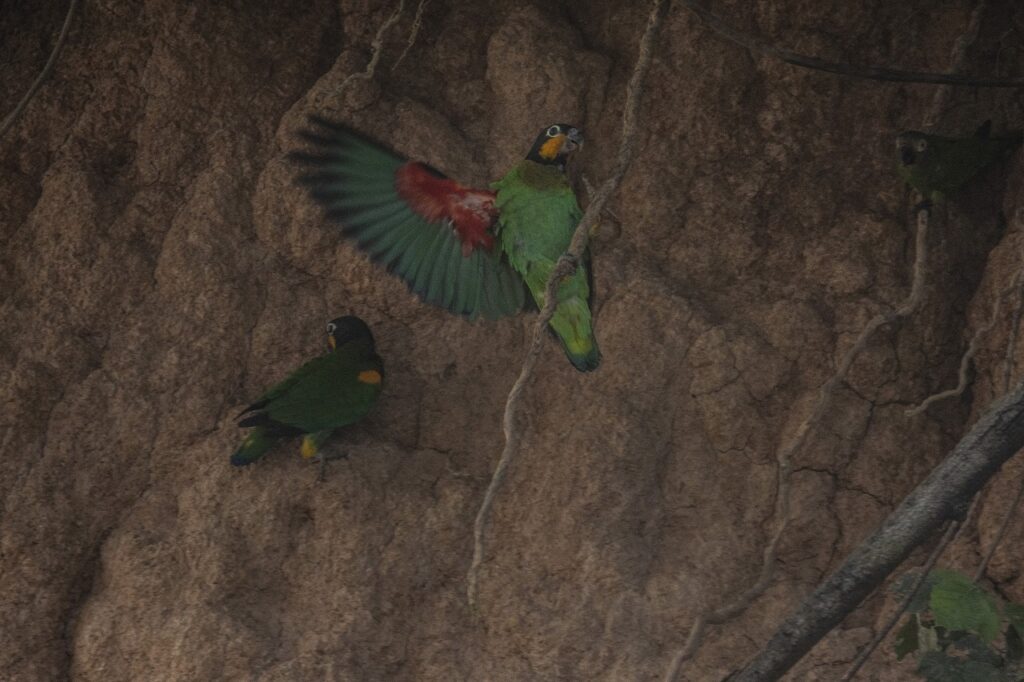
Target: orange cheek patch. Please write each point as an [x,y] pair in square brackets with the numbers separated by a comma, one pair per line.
[369,376]
[550,149]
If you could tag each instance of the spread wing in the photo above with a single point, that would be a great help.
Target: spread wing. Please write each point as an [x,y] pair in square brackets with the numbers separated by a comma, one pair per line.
[424,227]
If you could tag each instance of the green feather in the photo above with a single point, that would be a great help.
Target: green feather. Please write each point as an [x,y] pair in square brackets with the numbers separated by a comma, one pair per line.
[451,279]
[412,255]
[404,235]
[380,238]
[253,447]
[328,392]
[538,214]
[467,284]
[354,179]
[377,237]
[938,167]
[325,393]
[428,260]
[439,272]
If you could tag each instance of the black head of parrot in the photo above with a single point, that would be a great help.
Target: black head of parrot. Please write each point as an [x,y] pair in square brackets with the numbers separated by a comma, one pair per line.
[341,330]
[555,143]
[911,145]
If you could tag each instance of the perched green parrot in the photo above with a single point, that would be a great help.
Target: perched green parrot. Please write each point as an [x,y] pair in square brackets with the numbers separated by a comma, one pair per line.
[475,252]
[333,390]
[939,166]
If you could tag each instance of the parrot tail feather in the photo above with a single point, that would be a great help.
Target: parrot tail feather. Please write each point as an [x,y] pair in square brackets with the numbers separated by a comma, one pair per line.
[572,325]
[586,362]
[253,447]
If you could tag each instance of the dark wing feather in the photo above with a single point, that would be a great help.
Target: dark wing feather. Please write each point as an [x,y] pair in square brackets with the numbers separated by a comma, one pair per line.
[332,395]
[354,179]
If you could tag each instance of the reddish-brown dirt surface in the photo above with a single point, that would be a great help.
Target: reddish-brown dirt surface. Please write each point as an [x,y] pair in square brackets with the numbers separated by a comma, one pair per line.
[159,268]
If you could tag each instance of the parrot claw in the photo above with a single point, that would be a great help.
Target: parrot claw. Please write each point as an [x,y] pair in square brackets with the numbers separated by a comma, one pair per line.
[323,458]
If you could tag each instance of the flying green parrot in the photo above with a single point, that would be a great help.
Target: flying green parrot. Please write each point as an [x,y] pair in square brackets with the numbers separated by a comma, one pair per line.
[333,390]
[475,252]
[939,166]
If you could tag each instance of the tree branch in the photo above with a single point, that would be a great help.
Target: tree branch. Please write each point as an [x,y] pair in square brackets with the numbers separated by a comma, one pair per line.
[945,494]
[867,72]
[13,116]
[785,454]
[565,266]
[958,57]
[863,656]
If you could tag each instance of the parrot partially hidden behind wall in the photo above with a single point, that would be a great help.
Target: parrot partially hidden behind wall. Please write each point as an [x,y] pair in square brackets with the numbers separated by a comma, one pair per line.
[330,391]
[475,252]
[938,167]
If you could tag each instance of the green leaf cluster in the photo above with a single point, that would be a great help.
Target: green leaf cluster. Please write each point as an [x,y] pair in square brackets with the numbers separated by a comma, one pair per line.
[959,632]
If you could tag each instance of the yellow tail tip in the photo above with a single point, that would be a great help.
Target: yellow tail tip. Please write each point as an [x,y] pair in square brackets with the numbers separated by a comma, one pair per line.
[587,358]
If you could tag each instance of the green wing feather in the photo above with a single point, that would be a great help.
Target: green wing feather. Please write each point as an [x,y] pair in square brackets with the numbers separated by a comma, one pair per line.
[253,447]
[328,392]
[354,179]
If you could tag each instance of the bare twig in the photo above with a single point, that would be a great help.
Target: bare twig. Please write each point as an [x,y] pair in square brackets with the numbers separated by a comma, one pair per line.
[13,116]
[785,454]
[1011,514]
[968,517]
[972,348]
[871,563]
[376,47]
[865,654]
[965,361]
[1011,343]
[957,61]
[957,57]
[943,495]
[588,187]
[1018,287]
[693,641]
[417,23]
[565,266]
[869,72]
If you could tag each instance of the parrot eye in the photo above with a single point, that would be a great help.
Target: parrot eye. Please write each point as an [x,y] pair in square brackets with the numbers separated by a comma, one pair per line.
[920,146]
[553,130]
[331,327]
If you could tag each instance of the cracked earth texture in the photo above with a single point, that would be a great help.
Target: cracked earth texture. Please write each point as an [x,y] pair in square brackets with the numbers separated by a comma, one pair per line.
[158,268]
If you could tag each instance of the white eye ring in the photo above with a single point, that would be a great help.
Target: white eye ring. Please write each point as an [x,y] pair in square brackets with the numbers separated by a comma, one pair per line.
[331,327]
[920,145]
[553,130]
